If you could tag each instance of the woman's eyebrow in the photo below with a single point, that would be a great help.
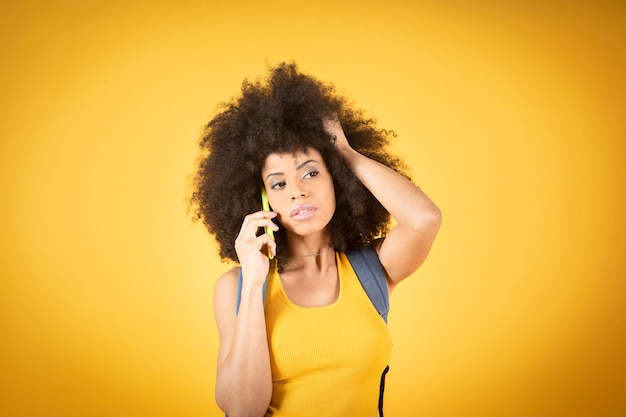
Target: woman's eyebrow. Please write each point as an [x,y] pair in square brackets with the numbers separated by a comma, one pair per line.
[304,163]
[297,168]
[273,174]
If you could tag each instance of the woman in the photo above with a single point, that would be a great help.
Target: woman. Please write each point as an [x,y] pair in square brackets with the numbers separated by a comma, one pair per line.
[298,334]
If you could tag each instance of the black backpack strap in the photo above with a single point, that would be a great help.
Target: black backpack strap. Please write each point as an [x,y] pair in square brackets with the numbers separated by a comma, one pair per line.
[370,272]
[381,395]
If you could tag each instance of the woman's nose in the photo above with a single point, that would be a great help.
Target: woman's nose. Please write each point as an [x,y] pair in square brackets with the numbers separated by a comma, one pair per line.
[298,192]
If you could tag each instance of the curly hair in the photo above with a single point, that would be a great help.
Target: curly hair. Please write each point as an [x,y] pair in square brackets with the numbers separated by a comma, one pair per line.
[283,114]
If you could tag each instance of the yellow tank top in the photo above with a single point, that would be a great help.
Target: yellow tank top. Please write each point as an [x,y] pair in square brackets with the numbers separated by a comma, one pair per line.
[326,361]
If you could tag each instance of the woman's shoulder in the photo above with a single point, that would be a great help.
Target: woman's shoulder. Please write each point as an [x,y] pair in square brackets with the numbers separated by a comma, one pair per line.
[227,279]
[225,290]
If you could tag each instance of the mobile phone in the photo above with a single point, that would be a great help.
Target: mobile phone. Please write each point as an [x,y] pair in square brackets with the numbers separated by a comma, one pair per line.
[266,207]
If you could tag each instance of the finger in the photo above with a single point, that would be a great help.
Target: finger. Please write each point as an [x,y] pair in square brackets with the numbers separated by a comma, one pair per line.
[273,226]
[258,223]
[266,227]
[261,214]
[255,243]
[264,241]
[252,223]
[268,246]
[272,246]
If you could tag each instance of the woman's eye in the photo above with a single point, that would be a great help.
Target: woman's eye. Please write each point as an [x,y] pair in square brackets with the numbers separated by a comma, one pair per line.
[311,174]
[277,185]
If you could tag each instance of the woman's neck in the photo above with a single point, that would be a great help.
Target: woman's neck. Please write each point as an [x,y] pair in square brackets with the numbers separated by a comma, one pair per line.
[309,253]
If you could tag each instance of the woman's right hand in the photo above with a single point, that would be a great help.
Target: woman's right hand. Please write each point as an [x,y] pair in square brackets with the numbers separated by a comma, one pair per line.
[252,249]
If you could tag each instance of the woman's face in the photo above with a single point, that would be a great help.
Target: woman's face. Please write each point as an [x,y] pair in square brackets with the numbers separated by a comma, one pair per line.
[300,190]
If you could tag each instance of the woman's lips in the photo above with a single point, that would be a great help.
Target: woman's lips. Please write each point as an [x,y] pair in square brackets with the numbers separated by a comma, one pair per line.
[302,212]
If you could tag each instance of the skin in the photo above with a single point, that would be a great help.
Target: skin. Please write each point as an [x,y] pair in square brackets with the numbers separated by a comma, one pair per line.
[244,380]
[295,182]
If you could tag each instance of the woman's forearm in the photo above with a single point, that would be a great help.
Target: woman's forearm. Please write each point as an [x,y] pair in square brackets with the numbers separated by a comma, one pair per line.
[410,207]
[244,381]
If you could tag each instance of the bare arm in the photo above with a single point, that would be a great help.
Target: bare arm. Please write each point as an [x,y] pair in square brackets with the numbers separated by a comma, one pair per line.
[418,219]
[244,380]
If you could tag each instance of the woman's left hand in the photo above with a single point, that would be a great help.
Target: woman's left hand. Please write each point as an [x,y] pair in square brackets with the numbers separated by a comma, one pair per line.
[332,126]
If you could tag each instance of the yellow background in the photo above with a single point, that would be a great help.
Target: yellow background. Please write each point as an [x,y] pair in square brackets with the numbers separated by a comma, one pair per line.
[511,115]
